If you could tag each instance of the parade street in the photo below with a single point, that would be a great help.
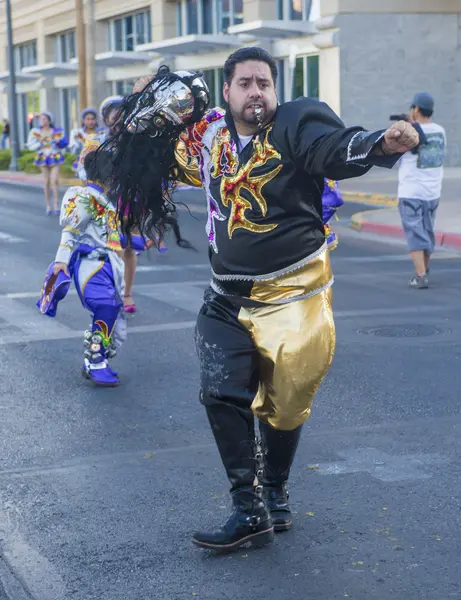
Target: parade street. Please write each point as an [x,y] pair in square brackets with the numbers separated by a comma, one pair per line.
[101,489]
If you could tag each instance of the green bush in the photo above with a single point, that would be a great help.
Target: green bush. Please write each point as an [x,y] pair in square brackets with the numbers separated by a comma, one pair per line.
[26,162]
[69,158]
[26,152]
[66,170]
[5,159]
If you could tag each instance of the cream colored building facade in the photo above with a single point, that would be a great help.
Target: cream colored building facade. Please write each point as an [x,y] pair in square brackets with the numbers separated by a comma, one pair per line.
[366,58]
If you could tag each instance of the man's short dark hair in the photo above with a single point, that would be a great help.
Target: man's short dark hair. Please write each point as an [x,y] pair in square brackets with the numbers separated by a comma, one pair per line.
[425,112]
[249,53]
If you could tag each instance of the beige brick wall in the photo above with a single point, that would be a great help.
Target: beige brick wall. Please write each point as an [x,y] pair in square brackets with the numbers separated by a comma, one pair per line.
[332,7]
[258,10]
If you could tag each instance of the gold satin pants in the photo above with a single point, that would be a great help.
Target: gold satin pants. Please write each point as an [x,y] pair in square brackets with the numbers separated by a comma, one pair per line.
[295,343]
[269,355]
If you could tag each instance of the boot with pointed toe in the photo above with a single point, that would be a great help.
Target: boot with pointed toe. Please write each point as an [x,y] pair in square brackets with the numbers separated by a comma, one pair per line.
[279,449]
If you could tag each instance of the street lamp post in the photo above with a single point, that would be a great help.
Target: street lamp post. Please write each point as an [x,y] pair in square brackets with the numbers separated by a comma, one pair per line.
[81,49]
[12,107]
[90,48]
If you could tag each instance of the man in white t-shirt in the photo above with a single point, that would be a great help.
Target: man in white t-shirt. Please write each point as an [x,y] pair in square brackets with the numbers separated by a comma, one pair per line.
[420,187]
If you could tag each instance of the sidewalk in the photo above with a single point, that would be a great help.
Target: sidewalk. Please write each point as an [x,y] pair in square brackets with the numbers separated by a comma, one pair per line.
[31,179]
[386,221]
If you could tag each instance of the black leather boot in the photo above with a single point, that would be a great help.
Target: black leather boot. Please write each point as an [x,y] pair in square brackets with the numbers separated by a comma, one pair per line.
[279,449]
[250,520]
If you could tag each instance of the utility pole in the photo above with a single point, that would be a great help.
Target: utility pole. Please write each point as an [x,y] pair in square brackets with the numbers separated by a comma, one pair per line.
[12,106]
[91,49]
[81,52]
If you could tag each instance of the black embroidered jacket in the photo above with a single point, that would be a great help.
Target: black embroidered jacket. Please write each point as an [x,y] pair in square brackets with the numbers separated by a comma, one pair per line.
[265,201]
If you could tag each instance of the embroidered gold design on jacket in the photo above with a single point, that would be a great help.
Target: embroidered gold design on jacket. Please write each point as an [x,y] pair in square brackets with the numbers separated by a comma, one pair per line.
[234,181]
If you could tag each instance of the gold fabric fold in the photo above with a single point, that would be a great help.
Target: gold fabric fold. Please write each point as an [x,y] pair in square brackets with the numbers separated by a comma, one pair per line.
[296,343]
[312,277]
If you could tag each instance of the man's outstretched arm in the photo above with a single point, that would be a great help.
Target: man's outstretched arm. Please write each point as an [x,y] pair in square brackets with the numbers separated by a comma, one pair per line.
[318,142]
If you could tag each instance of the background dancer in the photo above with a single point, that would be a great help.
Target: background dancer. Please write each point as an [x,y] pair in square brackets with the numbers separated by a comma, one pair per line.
[90,252]
[88,130]
[48,141]
[331,201]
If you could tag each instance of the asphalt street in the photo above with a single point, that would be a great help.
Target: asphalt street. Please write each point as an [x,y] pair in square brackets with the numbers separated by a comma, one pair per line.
[100,489]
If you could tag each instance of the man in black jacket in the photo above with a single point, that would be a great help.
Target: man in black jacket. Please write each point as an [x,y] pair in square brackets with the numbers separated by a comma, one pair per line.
[265,334]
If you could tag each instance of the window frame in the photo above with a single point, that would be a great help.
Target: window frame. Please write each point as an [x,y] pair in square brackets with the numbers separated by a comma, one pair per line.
[306,60]
[284,10]
[183,25]
[216,94]
[25,55]
[122,87]
[65,46]
[135,35]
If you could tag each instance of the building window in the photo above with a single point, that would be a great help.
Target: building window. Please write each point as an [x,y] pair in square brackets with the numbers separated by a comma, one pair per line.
[192,16]
[179,25]
[230,12]
[25,55]
[312,72]
[214,80]
[207,16]
[123,87]
[65,47]
[281,80]
[68,100]
[29,106]
[297,10]
[125,33]
[306,77]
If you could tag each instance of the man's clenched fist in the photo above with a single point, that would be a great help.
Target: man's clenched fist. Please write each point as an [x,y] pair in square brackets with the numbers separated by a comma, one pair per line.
[400,138]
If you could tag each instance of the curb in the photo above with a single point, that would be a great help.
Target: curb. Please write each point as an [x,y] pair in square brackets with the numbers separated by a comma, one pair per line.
[359,222]
[370,199]
[65,183]
[36,182]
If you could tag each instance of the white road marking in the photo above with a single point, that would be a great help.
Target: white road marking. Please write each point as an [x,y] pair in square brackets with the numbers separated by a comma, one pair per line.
[185,296]
[394,258]
[11,239]
[383,466]
[68,334]
[42,576]
[28,319]
[141,289]
[171,268]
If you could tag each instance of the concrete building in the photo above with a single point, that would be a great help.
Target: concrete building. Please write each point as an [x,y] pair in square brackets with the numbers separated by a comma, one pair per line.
[365,58]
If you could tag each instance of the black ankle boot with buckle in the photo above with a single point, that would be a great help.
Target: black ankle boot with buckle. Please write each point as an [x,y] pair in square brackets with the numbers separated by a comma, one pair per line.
[276,500]
[279,449]
[250,521]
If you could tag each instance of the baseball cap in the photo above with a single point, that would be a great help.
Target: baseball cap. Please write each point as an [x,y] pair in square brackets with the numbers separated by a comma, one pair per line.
[423,100]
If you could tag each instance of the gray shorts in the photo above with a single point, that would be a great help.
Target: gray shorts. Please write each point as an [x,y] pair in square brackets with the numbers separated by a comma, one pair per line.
[418,220]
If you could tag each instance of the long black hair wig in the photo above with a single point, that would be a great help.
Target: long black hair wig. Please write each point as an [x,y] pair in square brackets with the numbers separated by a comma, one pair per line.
[144,166]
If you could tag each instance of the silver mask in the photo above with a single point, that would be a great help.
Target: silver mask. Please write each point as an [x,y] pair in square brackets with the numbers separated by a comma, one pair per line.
[165,103]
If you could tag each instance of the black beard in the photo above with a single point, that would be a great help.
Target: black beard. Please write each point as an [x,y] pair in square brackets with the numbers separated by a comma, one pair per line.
[253,120]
